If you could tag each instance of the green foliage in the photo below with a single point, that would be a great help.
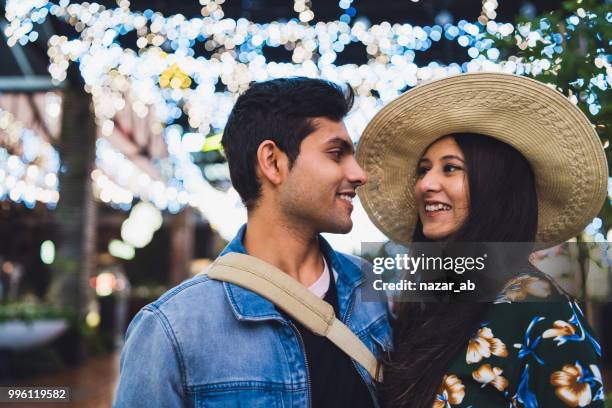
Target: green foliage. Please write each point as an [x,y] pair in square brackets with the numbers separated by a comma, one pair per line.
[575,41]
[580,44]
[30,311]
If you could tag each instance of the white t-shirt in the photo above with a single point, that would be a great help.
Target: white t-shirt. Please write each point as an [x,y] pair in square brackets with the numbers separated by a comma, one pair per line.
[321,286]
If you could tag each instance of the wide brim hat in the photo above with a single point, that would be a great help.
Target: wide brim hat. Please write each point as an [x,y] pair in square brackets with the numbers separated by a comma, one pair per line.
[567,157]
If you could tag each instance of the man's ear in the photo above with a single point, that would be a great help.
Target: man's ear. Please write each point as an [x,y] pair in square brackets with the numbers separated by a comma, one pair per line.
[273,163]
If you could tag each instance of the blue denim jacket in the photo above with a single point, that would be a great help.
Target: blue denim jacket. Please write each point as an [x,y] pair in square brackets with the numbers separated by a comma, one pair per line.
[207,343]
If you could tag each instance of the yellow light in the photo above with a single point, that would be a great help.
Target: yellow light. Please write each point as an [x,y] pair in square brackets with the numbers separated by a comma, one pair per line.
[213,143]
[174,77]
[175,82]
[92,319]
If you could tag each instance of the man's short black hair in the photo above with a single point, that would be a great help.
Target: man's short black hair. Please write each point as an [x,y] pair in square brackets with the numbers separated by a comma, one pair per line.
[280,110]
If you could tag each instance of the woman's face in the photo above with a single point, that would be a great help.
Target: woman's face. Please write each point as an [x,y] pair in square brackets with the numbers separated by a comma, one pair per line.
[441,190]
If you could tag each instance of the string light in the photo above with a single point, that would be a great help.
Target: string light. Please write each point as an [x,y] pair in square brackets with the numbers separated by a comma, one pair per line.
[489,12]
[237,48]
[149,75]
[31,175]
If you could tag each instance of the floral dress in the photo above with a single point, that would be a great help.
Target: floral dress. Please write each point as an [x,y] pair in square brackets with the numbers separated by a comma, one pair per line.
[534,350]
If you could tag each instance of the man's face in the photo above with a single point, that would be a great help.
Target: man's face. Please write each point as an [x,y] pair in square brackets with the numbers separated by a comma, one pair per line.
[321,184]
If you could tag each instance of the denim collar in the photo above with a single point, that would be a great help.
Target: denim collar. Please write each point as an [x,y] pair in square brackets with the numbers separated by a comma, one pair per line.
[248,305]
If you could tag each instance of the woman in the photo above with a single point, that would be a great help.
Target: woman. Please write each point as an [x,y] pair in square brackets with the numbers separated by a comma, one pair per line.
[487,158]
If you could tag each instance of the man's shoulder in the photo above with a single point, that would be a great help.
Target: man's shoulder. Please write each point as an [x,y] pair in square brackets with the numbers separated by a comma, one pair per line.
[196,293]
[189,313]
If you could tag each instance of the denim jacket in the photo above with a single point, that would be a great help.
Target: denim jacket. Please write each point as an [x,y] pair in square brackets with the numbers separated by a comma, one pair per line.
[207,343]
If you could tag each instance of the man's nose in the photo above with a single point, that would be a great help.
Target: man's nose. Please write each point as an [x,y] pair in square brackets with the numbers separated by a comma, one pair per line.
[356,175]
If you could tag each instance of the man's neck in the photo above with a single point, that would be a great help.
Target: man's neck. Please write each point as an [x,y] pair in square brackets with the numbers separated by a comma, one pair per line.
[292,249]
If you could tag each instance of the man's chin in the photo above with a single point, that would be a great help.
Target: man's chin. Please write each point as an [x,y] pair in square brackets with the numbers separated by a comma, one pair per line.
[339,228]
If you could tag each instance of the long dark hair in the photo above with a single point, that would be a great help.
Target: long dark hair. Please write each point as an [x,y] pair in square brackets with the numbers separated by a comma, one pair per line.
[429,336]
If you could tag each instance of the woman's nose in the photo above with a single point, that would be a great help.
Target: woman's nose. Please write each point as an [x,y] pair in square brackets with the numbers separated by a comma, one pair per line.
[429,182]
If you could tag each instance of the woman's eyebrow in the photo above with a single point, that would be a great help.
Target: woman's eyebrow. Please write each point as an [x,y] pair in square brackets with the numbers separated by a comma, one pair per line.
[452,156]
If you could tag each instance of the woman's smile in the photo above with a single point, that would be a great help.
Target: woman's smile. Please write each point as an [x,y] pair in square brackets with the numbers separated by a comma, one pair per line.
[435,208]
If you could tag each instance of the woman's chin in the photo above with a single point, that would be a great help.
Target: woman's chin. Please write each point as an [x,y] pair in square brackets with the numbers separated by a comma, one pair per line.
[436,235]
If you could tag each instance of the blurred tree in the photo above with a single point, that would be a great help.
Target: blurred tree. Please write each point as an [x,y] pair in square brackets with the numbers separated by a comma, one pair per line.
[76,212]
[570,48]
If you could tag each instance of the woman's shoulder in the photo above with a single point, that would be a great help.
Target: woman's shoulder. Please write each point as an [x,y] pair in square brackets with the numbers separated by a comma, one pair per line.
[523,298]
[533,306]
[531,286]
[533,346]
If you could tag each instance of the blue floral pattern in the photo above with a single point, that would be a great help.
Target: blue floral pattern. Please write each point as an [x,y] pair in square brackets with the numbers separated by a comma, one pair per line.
[552,360]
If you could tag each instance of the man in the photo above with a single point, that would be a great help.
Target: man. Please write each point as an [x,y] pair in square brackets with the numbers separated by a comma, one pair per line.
[209,343]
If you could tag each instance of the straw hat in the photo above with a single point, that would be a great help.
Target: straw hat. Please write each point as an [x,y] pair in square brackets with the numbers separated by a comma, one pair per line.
[564,150]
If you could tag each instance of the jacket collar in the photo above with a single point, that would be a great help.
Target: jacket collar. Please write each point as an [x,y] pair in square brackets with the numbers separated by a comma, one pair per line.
[248,305]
